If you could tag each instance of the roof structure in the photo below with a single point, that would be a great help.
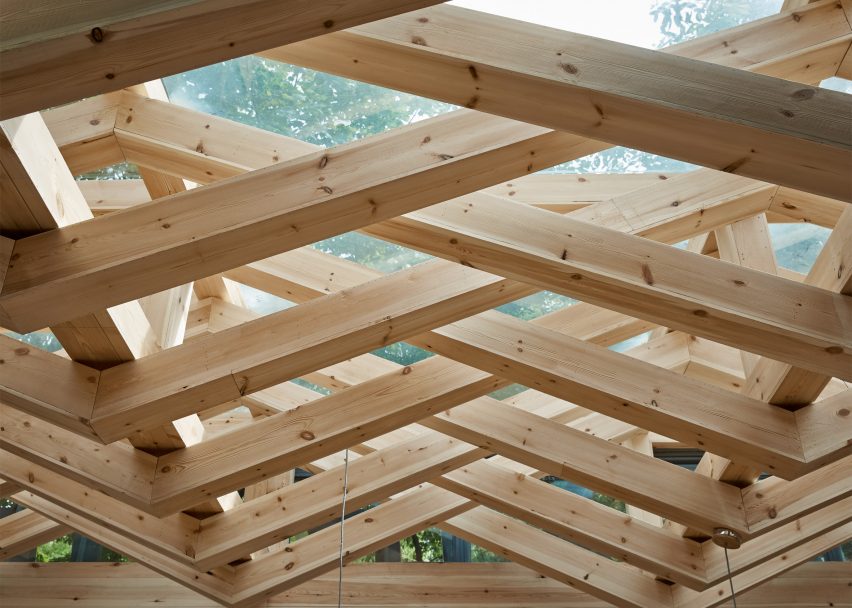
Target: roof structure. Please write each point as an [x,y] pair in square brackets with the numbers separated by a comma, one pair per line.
[168,426]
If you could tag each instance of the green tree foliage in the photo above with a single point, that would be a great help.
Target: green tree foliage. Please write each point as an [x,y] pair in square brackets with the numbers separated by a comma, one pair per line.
[58,550]
[312,106]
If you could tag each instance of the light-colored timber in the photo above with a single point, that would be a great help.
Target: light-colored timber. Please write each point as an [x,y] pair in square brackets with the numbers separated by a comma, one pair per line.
[170,425]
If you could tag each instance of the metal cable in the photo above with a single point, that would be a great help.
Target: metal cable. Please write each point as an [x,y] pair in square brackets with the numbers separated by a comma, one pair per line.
[730,579]
[342,519]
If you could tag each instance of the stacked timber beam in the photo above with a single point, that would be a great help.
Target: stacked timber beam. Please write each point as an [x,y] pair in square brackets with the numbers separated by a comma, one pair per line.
[169,426]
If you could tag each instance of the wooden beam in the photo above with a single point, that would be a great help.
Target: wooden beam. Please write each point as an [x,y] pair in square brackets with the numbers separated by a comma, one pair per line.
[640,394]
[172,537]
[26,530]
[7,488]
[791,387]
[200,125]
[316,500]
[279,347]
[50,196]
[772,499]
[597,88]
[335,422]
[772,544]
[195,145]
[794,387]
[40,195]
[366,532]
[747,243]
[478,585]
[118,470]
[650,484]
[580,521]
[209,584]
[798,206]
[748,580]
[682,207]
[84,133]
[603,578]
[48,386]
[426,162]
[108,195]
[656,282]
[415,460]
[61,54]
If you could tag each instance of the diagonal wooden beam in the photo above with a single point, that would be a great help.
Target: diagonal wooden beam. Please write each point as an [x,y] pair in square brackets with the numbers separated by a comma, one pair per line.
[792,387]
[304,200]
[63,53]
[782,46]
[84,133]
[771,499]
[745,581]
[366,532]
[609,580]
[26,530]
[284,345]
[640,394]
[172,537]
[213,585]
[47,197]
[618,471]
[789,36]
[655,282]
[48,386]
[315,430]
[605,90]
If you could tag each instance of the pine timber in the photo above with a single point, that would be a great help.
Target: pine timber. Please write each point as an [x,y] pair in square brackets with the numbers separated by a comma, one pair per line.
[425,442]
[84,132]
[276,348]
[63,53]
[763,29]
[613,92]
[483,585]
[26,530]
[202,225]
[585,261]
[32,163]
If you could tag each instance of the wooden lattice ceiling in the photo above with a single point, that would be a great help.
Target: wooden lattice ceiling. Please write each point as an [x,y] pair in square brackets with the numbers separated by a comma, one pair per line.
[134,434]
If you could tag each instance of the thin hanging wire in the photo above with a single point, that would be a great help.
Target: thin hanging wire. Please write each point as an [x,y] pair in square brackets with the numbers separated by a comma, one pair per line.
[342,519]
[730,579]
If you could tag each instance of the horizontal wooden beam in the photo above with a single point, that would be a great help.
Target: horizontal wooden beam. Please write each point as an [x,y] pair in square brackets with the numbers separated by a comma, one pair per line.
[63,53]
[605,90]
[479,585]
